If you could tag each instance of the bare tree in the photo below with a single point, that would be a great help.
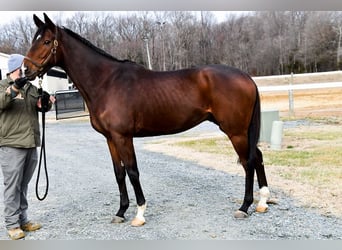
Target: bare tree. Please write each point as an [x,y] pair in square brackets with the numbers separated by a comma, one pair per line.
[261,43]
[337,27]
[320,42]
[16,36]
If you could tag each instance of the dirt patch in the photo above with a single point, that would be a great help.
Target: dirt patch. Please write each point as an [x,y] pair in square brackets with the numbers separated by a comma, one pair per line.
[319,104]
[323,103]
[322,193]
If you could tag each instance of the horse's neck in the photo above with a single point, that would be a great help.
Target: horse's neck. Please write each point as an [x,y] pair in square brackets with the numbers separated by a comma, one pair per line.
[81,65]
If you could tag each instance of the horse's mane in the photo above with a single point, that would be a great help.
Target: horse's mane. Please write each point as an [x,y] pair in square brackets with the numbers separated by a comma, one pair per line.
[93,47]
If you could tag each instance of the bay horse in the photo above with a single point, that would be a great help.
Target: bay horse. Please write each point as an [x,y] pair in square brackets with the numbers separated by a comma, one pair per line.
[126,100]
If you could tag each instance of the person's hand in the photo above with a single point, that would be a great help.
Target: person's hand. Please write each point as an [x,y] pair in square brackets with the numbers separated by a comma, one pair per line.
[45,100]
[52,99]
[20,82]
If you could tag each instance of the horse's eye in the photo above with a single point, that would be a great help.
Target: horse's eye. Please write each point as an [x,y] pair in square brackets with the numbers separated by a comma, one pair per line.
[46,42]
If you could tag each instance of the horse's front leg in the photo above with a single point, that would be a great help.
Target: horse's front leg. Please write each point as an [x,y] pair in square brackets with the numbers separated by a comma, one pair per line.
[120,175]
[124,159]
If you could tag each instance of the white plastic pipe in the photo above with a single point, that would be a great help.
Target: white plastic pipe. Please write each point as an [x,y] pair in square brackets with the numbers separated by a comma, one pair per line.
[276,135]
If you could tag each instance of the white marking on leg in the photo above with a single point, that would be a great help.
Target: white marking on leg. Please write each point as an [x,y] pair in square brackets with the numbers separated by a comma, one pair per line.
[264,196]
[140,213]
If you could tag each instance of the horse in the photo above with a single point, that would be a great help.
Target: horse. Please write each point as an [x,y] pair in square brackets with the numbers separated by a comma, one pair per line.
[126,100]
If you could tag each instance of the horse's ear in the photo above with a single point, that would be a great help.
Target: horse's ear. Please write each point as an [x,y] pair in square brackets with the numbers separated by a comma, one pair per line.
[48,22]
[37,21]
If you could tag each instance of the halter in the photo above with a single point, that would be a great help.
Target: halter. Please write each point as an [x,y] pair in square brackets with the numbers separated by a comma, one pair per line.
[46,60]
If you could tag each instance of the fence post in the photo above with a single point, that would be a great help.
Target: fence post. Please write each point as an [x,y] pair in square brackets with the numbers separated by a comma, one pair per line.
[291,109]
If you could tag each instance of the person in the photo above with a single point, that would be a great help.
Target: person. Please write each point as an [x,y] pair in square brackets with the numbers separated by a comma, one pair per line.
[19,138]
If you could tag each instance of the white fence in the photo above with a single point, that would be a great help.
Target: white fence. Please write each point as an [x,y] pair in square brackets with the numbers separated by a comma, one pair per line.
[300,86]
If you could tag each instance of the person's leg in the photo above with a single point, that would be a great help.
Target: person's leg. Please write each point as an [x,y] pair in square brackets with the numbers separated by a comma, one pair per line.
[29,167]
[12,162]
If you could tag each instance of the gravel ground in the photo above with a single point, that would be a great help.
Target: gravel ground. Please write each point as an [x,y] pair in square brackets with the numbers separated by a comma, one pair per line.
[184,200]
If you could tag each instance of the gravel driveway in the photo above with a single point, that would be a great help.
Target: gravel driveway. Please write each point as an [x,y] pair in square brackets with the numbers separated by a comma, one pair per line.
[184,200]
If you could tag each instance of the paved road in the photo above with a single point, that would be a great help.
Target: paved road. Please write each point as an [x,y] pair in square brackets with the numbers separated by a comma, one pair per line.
[185,200]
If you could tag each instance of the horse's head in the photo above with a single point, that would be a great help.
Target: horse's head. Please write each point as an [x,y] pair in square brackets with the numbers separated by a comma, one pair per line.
[44,52]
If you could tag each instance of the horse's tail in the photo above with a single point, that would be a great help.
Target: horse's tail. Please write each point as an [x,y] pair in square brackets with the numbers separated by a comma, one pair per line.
[254,129]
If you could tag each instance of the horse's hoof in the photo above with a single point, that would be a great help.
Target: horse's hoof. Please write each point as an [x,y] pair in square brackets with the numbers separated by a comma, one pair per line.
[240,215]
[117,219]
[136,222]
[261,209]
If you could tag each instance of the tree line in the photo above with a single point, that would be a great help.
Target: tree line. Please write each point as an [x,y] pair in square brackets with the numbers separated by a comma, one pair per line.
[260,43]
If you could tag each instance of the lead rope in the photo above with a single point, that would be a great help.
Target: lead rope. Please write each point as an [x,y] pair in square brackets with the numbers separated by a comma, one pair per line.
[42,151]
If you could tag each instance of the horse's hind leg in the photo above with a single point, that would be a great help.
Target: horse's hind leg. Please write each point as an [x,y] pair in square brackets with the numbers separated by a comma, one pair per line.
[240,144]
[264,191]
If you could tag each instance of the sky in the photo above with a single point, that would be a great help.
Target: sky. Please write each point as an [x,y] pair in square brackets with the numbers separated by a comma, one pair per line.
[8,16]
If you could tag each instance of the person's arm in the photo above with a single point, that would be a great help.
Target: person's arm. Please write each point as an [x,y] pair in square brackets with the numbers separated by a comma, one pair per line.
[5,97]
[7,94]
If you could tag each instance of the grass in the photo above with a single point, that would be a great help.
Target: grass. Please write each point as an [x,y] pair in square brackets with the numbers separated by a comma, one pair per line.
[306,158]
[315,135]
[218,145]
[310,156]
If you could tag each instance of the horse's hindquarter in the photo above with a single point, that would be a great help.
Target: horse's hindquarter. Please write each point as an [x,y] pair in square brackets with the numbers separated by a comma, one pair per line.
[233,93]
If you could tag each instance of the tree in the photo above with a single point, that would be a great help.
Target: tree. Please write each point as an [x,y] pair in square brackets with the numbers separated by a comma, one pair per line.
[16,36]
[260,43]
[320,42]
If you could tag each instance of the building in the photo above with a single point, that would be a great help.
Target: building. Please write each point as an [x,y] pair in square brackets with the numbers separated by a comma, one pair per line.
[54,80]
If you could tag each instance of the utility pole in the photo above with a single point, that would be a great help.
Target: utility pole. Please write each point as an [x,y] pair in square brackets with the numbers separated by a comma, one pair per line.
[339,49]
[161,26]
[145,38]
